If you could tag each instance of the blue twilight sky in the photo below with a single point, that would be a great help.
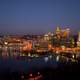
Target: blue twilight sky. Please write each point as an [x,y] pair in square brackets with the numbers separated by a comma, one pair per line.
[38,16]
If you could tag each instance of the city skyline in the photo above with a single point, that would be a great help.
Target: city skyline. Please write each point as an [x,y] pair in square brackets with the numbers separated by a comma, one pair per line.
[37,17]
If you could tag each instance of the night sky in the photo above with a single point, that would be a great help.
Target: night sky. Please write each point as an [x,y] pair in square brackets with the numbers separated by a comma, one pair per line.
[38,16]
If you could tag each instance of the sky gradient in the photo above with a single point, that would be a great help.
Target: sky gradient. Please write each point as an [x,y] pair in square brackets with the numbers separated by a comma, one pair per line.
[38,16]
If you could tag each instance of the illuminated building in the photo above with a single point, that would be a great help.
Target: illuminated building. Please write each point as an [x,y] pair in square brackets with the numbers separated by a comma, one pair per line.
[61,37]
[65,33]
[78,41]
[40,45]
[27,45]
[62,33]
[48,36]
[11,46]
[71,42]
[58,30]
[55,42]
[68,32]
[14,48]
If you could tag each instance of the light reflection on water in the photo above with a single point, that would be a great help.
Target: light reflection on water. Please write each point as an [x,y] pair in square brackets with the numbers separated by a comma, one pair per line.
[27,63]
[57,58]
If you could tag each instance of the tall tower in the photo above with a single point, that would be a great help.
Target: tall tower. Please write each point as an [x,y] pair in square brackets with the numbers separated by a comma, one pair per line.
[58,30]
[78,41]
[68,32]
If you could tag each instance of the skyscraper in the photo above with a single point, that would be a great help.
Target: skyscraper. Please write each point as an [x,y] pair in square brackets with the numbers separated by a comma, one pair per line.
[58,30]
[78,41]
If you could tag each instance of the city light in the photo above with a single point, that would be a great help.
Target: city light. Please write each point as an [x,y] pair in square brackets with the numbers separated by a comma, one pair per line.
[58,42]
[5,43]
[46,59]
[39,39]
[57,58]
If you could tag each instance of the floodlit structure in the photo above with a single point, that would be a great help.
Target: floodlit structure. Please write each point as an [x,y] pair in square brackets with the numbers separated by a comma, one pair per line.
[78,41]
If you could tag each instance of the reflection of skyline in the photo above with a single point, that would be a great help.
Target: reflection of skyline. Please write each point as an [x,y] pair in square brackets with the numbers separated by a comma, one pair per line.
[36,17]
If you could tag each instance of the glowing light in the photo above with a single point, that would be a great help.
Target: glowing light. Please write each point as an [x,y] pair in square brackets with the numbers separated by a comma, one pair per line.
[63,47]
[46,59]
[58,29]
[38,73]
[27,46]
[30,75]
[29,54]
[49,46]
[57,51]
[57,58]
[73,56]
[5,43]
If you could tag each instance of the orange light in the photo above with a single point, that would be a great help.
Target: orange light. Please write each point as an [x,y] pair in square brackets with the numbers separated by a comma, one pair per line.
[27,46]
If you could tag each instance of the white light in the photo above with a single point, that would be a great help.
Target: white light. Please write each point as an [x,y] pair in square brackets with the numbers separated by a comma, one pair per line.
[57,58]
[29,54]
[5,43]
[46,59]
[73,56]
